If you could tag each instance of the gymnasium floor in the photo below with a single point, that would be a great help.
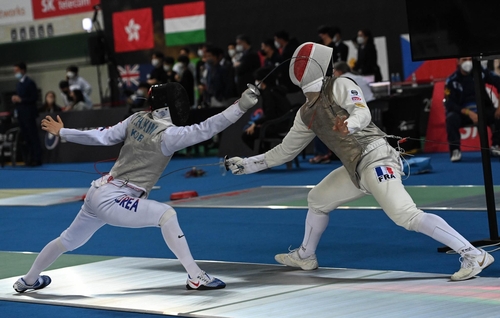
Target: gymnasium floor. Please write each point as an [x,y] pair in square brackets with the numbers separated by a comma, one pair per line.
[369,266]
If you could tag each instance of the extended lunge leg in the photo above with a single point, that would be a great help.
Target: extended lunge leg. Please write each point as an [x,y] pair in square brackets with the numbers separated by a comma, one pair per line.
[176,241]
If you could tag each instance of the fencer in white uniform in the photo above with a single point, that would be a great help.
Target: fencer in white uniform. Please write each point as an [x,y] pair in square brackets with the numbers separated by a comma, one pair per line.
[335,110]
[120,197]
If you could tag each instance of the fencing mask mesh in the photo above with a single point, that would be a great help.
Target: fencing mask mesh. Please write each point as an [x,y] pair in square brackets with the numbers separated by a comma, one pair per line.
[173,96]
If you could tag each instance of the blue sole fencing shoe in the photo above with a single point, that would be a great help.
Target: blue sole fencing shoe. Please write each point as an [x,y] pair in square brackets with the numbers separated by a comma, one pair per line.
[43,281]
[204,282]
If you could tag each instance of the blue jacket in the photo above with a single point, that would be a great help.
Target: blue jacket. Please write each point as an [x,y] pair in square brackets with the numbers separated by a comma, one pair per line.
[459,91]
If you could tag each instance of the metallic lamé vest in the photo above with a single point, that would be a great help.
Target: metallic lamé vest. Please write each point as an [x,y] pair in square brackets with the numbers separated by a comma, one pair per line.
[319,113]
[141,161]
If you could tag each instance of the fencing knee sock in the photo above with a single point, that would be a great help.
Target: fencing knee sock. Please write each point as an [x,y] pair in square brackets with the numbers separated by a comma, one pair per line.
[176,242]
[46,257]
[437,228]
[316,224]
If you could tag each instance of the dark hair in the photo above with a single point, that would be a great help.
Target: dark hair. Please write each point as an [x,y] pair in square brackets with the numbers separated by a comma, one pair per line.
[326,30]
[282,35]
[244,38]
[169,60]
[183,59]
[336,30]
[144,85]
[78,96]
[22,66]
[368,34]
[49,92]
[262,72]
[269,43]
[63,84]
[159,55]
[73,68]
[215,51]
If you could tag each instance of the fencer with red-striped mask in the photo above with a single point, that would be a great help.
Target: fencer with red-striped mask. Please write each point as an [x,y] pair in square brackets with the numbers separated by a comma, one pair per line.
[336,111]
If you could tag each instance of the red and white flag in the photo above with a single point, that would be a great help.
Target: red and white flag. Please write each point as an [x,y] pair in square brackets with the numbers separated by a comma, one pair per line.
[133,30]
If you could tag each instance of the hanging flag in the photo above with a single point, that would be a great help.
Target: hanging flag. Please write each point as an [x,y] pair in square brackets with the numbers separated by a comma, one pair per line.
[184,23]
[133,75]
[133,30]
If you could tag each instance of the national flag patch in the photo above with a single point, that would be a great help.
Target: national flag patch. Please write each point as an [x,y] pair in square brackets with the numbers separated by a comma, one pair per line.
[184,23]
[384,173]
[133,30]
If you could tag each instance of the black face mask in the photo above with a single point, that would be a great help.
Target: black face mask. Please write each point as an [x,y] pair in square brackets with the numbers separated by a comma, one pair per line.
[263,52]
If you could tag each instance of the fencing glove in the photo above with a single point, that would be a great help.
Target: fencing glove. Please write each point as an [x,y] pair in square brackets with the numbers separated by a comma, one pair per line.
[249,165]
[248,99]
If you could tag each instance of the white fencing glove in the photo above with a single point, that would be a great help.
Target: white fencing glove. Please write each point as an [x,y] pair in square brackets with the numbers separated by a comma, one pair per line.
[248,99]
[240,166]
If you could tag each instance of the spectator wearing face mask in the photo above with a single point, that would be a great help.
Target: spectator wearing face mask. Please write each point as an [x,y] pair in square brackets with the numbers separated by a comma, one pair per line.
[75,79]
[168,67]
[270,52]
[158,74]
[461,107]
[186,78]
[248,63]
[366,64]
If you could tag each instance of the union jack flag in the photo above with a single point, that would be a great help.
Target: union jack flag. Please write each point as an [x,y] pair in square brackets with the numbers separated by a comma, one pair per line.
[130,74]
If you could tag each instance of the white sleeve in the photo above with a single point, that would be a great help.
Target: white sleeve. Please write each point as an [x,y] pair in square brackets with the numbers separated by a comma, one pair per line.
[103,136]
[349,96]
[176,138]
[294,142]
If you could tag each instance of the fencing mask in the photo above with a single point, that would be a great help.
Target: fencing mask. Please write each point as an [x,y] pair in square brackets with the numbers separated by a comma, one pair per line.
[310,63]
[174,97]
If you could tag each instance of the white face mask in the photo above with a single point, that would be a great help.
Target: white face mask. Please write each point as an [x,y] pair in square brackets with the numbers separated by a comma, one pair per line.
[336,39]
[18,75]
[466,66]
[167,68]
[277,44]
[239,48]
[70,74]
[200,53]
[360,40]
[231,52]
[155,62]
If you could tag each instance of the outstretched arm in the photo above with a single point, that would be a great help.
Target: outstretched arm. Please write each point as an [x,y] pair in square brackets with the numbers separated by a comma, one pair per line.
[103,136]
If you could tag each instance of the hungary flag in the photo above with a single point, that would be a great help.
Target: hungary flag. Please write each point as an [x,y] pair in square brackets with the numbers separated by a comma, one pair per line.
[184,23]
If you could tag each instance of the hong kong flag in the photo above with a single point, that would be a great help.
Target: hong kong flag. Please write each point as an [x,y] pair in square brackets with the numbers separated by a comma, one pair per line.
[133,30]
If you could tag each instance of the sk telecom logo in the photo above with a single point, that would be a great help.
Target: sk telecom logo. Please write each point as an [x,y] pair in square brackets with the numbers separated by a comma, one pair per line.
[48,5]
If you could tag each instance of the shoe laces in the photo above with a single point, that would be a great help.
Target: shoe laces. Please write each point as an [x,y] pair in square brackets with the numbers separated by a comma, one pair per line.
[468,261]
[204,278]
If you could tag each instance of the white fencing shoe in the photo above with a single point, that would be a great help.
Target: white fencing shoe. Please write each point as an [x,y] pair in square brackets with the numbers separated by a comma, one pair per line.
[294,260]
[43,281]
[204,282]
[473,265]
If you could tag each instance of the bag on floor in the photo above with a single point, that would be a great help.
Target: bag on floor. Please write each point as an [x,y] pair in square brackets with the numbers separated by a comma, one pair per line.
[417,165]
